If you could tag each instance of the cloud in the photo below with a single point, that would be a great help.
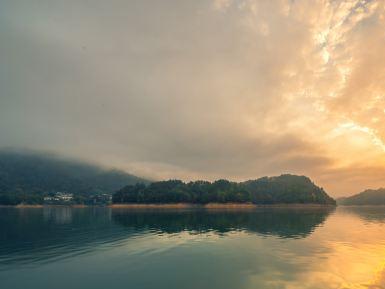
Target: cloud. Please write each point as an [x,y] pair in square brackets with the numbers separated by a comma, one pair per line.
[199,89]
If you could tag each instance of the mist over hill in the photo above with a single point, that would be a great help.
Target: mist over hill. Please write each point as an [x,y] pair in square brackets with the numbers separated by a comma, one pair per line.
[27,176]
[367,197]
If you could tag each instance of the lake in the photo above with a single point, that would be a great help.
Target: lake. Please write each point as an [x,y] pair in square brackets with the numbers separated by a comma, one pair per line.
[63,247]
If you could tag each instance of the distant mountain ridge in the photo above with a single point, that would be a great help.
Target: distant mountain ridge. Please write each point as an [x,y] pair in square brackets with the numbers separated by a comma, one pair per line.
[367,197]
[23,174]
[284,189]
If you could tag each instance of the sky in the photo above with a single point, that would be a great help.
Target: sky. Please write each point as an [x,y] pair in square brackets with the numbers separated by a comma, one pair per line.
[201,89]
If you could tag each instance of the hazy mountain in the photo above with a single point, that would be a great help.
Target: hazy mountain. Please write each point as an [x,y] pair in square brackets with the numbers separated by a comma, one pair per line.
[26,173]
[367,197]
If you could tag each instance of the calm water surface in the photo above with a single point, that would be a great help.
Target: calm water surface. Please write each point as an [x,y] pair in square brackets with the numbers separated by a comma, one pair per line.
[183,249]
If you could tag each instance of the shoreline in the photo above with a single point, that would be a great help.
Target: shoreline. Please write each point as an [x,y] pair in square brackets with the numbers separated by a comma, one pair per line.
[22,206]
[180,206]
[214,206]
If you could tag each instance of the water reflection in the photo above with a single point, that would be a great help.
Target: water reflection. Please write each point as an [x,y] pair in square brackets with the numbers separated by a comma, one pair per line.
[366,213]
[58,215]
[265,248]
[284,223]
[41,234]
[51,233]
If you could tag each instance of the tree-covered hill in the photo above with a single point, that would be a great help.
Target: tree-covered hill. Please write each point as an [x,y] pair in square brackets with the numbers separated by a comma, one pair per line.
[287,189]
[368,197]
[27,177]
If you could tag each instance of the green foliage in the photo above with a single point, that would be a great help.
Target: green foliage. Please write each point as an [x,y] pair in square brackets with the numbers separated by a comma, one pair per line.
[286,189]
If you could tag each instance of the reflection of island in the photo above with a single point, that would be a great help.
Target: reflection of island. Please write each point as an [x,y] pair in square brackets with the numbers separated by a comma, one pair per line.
[284,223]
[60,215]
[366,213]
[38,235]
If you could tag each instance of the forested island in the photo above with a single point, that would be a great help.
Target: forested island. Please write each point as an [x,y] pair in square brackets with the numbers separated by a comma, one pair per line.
[365,198]
[284,189]
[35,179]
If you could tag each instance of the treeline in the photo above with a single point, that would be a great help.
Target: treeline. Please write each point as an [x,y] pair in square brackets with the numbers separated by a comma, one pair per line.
[18,197]
[286,189]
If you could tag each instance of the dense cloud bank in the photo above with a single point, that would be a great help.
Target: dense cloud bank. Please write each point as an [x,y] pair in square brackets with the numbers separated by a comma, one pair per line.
[200,89]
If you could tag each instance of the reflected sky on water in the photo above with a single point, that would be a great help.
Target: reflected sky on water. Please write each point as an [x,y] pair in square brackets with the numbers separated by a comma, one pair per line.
[253,248]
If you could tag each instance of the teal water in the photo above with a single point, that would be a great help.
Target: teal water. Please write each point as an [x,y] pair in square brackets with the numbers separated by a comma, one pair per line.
[260,248]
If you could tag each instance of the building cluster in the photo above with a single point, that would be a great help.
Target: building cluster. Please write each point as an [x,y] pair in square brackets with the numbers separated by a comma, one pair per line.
[59,197]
